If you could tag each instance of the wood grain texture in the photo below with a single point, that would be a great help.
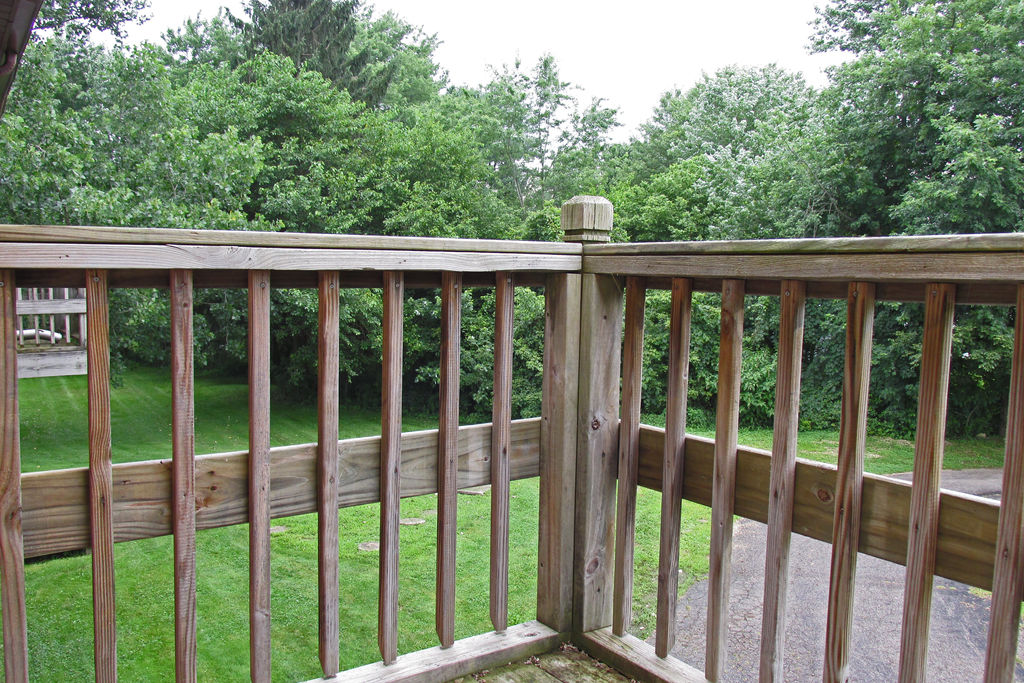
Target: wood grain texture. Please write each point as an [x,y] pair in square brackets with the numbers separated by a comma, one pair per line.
[783,474]
[203,257]
[849,482]
[183,476]
[924,502]
[967,524]
[500,422]
[328,341]
[465,657]
[390,462]
[448,457]
[900,267]
[723,498]
[56,504]
[51,306]
[1008,573]
[629,447]
[12,550]
[596,452]
[245,238]
[259,476]
[560,393]
[58,362]
[636,659]
[672,465]
[100,478]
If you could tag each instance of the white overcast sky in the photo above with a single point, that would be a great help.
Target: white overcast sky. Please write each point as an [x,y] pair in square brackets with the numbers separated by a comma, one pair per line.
[627,53]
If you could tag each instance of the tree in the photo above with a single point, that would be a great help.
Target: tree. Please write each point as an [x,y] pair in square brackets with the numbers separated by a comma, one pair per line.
[76,19]
[926,133]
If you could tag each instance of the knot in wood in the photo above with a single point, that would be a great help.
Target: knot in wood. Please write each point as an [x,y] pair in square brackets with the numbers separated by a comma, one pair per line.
[824,494]
[596,424]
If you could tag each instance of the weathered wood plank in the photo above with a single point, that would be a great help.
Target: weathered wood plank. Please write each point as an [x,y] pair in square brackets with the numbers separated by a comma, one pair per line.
[672,467]
[909,267]
[1008,242]
[447,458]
[849,479]
[203,257]
[723,498]
[500,423]
[390,462]
[467,656]
[783,473]
[597,451]
[629,447]
[56,507]
[259,475]
[636,658]
[328,341]
[109,235]
[924,501]
[560,393]
[1008,574]
[12,550]
[967,524]
[57,362]
[183,476]
[51,306]
[100,478]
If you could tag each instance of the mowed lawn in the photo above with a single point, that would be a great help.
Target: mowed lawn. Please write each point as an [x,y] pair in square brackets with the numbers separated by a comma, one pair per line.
[53,433]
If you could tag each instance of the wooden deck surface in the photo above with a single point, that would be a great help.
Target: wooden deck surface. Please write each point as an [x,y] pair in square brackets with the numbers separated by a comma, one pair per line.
[566,664]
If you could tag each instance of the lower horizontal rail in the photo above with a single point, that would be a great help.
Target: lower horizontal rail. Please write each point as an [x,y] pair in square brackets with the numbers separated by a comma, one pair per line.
[636,658]
[55,504]
[967,524]
[465,657]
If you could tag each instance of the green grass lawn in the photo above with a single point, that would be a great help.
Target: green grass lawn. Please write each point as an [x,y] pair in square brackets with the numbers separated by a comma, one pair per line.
[53,431]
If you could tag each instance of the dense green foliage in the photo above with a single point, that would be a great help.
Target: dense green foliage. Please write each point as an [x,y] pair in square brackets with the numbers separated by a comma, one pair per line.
[318,116]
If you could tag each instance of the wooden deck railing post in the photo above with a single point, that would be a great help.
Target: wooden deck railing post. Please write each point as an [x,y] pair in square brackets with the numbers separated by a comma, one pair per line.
[558,450]
[589,219]
[12,549]
[101,485]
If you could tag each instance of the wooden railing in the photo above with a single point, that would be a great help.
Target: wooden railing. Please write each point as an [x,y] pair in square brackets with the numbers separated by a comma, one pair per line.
[588,447]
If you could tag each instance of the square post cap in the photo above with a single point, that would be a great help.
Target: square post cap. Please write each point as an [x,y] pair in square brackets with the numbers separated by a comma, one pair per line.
[587,219]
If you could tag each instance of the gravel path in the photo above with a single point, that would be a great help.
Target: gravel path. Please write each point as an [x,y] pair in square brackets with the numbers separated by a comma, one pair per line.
[959,623]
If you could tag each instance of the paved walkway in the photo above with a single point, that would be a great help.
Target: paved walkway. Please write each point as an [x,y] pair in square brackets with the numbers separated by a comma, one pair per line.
[959,623]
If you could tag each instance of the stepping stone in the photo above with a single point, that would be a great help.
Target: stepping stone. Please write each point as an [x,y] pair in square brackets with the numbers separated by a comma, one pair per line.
[411,521]
[430,513]
[278,529]
[369,546]
[476,490]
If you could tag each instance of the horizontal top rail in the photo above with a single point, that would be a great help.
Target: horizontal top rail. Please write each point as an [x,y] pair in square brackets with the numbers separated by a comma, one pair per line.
[1013,242]
[246,238]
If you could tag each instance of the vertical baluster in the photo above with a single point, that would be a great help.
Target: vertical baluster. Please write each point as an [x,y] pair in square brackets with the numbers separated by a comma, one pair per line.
[327,472]
[259,475]
[83,325]
[53,326]
[448,456]
[17,319]
[34,296]
[724,479]
[390,463]
[783,473]
[100,478]
[1008,575]
[672,464]
[558,450]
[67,317]
[183,476]
[629,455]
[501,425]
[860,322]
[12,549]
[924,495]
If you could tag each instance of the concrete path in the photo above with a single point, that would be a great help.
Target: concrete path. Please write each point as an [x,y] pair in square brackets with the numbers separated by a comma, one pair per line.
[959,624]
